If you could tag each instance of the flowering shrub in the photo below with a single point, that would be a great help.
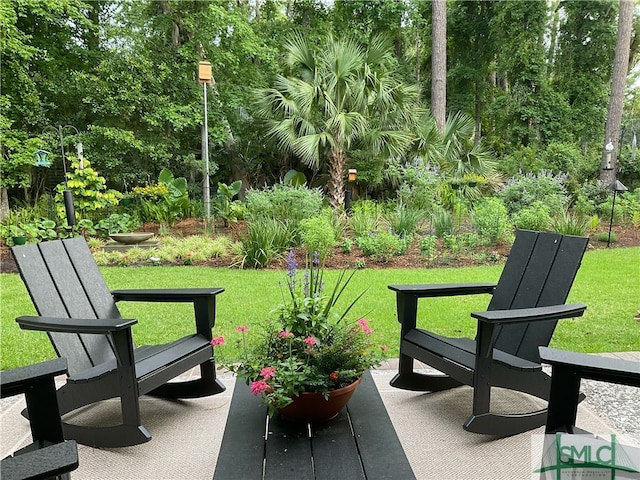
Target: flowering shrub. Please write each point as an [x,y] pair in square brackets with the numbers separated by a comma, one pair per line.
[305,346]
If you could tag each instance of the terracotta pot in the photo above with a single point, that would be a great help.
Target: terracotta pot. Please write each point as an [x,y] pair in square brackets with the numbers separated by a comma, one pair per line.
[313,407]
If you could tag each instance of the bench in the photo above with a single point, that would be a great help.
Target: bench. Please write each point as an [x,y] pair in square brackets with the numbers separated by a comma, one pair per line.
[361,443]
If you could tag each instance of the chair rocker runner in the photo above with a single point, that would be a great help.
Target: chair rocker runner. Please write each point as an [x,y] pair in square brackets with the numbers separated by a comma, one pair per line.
[526,304]
[80,315]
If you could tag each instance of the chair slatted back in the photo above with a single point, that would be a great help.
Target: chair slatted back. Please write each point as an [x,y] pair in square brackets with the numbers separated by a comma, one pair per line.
[539,272]
[64,281]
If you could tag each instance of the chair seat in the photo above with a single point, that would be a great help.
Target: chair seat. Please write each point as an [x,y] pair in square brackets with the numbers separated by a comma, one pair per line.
[463,350]
[150,358]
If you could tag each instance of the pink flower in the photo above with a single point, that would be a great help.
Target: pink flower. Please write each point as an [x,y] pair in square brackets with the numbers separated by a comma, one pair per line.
[242,328]
[285,334]
[267,372]
[258,387]
[384,348]
[217,341]
[311,341]
[364,326]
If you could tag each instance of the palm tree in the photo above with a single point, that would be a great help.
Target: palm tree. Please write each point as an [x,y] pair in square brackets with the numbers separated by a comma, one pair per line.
[464,161]
[341,96]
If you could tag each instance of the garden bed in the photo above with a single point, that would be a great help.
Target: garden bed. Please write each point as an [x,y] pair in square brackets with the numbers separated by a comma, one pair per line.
[412,258]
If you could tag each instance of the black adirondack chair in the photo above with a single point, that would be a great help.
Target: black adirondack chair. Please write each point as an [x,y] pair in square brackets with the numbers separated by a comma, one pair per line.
[49,455]
[523,312]
[568,370]
[80,315]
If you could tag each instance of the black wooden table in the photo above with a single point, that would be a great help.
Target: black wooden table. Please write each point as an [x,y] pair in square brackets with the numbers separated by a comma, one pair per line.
[360,443]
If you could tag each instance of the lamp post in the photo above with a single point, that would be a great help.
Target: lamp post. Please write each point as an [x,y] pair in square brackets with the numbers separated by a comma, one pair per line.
[616,186]
[205,77]
[41,160]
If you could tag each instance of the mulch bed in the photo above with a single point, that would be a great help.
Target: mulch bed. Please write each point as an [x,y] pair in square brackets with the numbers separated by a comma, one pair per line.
[412,258]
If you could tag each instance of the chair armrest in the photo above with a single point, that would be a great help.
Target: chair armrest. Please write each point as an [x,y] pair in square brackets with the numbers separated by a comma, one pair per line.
[203,299]
[17,380]
[75,325]
[554,312]
[46,462]
[443,289]
[165,294]
[595,367]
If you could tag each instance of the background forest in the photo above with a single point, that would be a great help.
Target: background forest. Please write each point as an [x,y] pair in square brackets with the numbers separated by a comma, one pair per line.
[527,89]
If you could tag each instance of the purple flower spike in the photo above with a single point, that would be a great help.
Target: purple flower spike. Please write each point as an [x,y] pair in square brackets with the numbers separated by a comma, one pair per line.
[292,265]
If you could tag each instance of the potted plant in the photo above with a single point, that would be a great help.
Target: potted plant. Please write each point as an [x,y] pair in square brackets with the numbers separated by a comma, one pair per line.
[18,235]
[307,359]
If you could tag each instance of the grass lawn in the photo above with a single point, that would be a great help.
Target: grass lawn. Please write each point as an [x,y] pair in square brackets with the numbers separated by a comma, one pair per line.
[608,283]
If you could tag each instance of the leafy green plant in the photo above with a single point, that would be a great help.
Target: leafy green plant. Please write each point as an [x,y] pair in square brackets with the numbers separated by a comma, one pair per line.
[524,190]
[224,200]
[605,237]
[365,217]
[346,245]
[534,217]
[117,223]
[428,246]
[382,245]
[441,221]
[491,221]
[317,236]
[568,223]
[285,203]
[90,193]
[166,202]
[265,240]
[404,220]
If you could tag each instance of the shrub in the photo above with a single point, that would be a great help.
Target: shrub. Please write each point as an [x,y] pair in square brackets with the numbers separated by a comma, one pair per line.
[416,182]
[317,236]
[286,203]
[428,246]
[523,191]
[490,220]
[535,217]
[383,245]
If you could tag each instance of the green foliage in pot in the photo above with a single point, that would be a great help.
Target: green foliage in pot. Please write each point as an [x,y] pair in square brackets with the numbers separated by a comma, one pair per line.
[306,345]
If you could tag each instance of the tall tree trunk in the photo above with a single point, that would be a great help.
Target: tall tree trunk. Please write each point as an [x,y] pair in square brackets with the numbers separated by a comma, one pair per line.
[618,83]
[335,190]
[439,62]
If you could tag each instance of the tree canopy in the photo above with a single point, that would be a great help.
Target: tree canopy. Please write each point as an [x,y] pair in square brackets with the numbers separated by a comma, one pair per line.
[529,74]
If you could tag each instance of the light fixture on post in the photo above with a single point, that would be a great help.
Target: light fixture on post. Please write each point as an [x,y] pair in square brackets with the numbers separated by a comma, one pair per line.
[67,195]
[616,186]
[351,177]
[607,156]
[205,77]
